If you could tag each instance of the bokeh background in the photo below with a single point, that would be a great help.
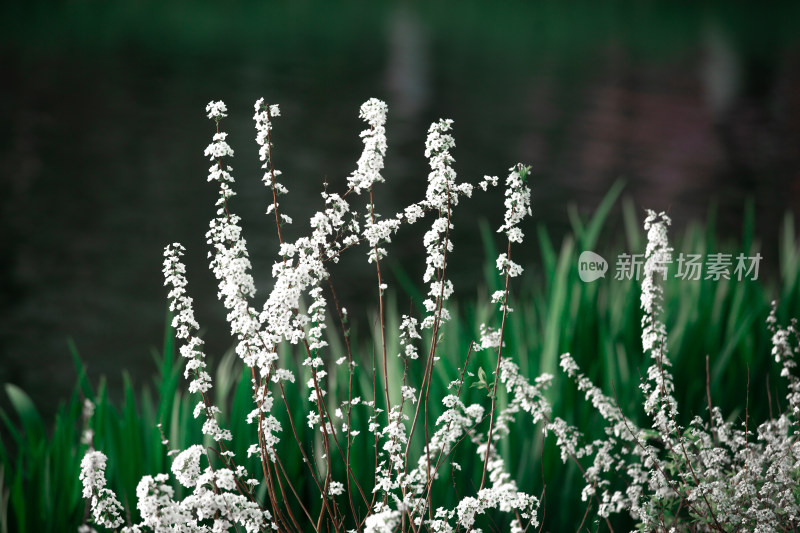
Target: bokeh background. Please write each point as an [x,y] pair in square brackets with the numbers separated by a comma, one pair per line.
[696,106]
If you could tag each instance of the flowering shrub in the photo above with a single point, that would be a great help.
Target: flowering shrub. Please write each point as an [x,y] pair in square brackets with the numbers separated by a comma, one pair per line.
[713,475]
[709,477]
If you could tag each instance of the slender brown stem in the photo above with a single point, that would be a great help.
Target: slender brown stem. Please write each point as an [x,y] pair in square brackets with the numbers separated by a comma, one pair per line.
[656,462]
[441,456]
[496,373]
[769,399]
[346,336]
[680,437]
[708,397]
[428,375]
[294,492]
[382,321]
[272,177]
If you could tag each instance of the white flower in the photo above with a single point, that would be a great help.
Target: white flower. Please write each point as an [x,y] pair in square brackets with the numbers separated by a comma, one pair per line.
[93,469]
[106,509]
[335,488]
[370,163]
[382,522]
[263,118]
[517,202]
[186,465]
[490,337]
[487,181]
[507,266]
[216,110]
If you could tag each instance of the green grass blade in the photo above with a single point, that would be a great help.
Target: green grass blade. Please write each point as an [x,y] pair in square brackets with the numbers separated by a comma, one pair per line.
[633,228]
[592,231]
[32,423]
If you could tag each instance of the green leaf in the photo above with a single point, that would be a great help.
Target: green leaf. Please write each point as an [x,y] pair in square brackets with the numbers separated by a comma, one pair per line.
[524,172]
[31,420]
[592,230]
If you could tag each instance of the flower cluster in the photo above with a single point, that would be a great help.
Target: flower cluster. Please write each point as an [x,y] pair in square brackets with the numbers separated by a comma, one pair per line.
[517,202]
[221,494]
[707,476]
[263,118]
[106,509]
[211,501]
[370,164]
[441,197]
[183,321]
[659,388]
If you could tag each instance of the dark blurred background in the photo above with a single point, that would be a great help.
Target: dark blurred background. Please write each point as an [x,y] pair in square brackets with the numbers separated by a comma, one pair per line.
[103,129]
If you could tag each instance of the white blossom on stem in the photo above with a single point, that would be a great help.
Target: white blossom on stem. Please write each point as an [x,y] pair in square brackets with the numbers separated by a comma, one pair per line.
[106,509]
[441,196]
[263,118]
[660,386]
[517,202]
[370,164]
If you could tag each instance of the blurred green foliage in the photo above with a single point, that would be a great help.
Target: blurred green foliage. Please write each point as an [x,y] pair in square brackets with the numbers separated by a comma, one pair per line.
[529,29]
